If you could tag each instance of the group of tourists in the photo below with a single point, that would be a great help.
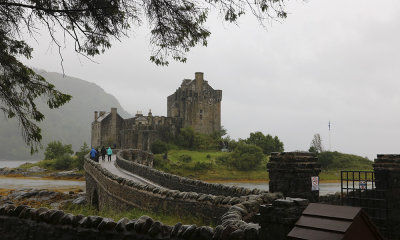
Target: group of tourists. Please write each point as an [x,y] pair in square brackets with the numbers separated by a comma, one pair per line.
[95,154]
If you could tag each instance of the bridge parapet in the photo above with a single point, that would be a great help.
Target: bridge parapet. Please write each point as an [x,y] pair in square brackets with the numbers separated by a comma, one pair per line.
[137,156]
[107,190]
[179,183]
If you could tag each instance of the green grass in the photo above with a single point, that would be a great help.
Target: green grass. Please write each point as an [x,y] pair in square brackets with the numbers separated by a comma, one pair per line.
[134,213]
[204,168]
[332,163]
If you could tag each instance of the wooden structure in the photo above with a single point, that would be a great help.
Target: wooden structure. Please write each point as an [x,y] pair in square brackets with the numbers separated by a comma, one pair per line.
[332,222]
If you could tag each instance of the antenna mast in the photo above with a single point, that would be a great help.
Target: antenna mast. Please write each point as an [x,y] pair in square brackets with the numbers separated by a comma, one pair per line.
[329,128]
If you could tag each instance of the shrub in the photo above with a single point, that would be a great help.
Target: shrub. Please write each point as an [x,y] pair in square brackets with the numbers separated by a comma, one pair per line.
[208,156]
[47,164]
[185,158]
[80,156]
[224,159]
[159,147]
[56,149]
[202,166]
[246,157]
[159,161]
[64,162]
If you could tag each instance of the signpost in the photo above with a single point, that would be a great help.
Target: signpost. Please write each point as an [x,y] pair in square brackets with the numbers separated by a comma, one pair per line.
[314,183]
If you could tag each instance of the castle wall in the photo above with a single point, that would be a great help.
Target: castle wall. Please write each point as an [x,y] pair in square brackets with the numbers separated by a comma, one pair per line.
[139,136]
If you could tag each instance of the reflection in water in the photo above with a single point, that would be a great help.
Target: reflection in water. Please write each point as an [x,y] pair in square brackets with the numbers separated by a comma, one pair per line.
[325,188]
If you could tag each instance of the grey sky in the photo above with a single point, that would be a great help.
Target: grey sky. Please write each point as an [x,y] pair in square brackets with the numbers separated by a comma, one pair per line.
[330,60]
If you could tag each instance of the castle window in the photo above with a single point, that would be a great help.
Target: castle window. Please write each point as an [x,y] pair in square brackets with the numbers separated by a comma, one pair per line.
[201,117]
[201,110]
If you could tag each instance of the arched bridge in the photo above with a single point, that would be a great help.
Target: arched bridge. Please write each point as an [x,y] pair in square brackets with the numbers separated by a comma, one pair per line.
[130,181]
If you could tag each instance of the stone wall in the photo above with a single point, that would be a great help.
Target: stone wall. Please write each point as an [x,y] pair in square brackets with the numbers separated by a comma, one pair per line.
[172,181]
[25,223]
[279,217]
[291,172]
[387,179]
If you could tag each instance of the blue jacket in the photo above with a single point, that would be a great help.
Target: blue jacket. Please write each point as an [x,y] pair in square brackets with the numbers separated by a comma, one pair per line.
[93,153]
[109,151]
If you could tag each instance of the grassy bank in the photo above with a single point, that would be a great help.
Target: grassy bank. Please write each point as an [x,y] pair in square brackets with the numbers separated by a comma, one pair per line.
[206,166]
[133,214]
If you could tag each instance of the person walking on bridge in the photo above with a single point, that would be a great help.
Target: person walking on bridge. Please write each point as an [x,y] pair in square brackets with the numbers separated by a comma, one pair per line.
[97,156]
[109,153]
[92,153]
[103,153]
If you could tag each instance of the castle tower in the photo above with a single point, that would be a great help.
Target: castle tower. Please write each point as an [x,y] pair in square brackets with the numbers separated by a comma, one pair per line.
[198,104]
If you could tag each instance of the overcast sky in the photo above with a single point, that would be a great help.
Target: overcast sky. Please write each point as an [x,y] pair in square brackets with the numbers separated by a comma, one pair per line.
[335,61]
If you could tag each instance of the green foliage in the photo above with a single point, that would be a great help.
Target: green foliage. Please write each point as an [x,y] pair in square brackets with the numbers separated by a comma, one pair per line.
[63,162]
[316,144]
[199,166]
[208,156]
[134,213]
[47,164]
[341,161]
[246,157]
[92,25]
[312,149]
[205,168]
[79,159]
[267,143]
[223,159]
[159,162]
[159,147]
[192,140]
[20,86]
[185,158]
[56,149]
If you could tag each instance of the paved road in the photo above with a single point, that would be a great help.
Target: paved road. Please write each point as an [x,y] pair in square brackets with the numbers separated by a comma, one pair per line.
[110,166]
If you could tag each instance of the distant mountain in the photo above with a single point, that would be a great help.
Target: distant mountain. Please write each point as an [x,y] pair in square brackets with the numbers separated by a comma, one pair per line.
[71,124]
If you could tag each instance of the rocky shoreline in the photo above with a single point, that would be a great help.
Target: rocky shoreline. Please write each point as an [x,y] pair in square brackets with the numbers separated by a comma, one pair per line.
[36,171]
[42,197]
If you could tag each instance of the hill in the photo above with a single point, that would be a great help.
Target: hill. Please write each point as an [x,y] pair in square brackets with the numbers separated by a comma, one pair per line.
[342,161]
[70,124]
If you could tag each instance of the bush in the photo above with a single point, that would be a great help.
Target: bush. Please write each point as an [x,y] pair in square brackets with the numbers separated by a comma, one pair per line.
[246,157]
[208,156]
[224,159]
[159,147]
[57,149]
[64,162]
[185,158]
[159,161]
[79,159]
[47,164]
[266,142]
[198,166]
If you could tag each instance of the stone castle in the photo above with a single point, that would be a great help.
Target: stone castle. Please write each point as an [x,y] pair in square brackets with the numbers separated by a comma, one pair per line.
[195,103]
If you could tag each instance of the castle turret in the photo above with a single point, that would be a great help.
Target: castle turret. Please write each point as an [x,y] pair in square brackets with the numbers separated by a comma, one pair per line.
[199,79]
[95,115]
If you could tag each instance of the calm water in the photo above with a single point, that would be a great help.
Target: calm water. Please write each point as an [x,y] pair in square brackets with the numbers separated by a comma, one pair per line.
[14,183]
[325,188]
[14,163]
